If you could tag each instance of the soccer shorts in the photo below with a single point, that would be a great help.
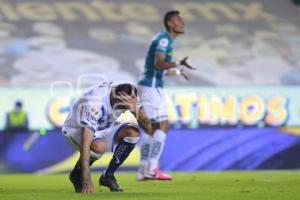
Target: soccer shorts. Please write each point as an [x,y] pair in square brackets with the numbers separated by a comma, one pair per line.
[107,135]
[153,103]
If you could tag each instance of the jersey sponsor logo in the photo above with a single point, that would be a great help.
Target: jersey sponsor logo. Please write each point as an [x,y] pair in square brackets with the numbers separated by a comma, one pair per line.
[98,113]
[89,119]
[163,43]
[94,111]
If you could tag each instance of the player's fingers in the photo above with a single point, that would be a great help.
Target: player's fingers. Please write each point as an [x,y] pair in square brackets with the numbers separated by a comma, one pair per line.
[184,63]
[124,94]
[124,97]
[189,66]
[120,98]
[87,190]
[124,100]
[128,96]
[185,76]
[128,99]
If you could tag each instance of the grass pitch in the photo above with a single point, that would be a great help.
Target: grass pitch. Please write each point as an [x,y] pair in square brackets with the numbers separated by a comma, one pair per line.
[185,186]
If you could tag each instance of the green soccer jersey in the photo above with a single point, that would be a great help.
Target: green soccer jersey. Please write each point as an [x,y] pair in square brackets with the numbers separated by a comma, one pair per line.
[162,43]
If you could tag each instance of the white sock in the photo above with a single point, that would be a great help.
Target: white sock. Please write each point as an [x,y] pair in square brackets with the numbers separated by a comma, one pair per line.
[157,146]
[145,152]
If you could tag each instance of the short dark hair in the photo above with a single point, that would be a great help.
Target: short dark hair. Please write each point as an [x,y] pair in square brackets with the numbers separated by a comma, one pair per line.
[168,16]
[127,88]
[18,104]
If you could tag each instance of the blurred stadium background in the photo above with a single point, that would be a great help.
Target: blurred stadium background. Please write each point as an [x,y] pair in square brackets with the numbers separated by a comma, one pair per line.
[240,111]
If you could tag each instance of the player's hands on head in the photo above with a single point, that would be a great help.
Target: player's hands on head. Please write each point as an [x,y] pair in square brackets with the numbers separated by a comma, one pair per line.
[87,186]
[130,101]
[186,64]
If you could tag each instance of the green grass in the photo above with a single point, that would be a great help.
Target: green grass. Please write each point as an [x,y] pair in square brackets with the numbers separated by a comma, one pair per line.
[224,186]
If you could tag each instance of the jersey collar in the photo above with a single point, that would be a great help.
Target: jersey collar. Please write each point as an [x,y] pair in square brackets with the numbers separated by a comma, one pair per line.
[169,36]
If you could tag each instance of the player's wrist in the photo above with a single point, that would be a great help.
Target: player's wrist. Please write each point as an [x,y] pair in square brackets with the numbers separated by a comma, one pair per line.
[86,178]
[177,63]
[135,110]
[86,173]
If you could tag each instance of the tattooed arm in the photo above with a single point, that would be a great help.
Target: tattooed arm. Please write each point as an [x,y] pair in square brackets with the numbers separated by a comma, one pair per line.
[86,138]
[143,120]
[140,115]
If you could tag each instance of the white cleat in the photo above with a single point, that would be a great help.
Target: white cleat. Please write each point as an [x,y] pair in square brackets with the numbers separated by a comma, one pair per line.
[140,176]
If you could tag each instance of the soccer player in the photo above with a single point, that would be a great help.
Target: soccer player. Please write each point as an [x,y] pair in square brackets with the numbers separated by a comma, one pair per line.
[91,126]
[158,63]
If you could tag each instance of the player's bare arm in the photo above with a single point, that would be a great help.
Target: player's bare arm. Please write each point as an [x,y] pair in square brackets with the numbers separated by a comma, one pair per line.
[160,62]
[85,145]
[143,121]
[139,114]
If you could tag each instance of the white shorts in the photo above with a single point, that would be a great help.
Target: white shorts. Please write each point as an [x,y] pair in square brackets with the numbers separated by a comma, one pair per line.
[153,103]
[107,135]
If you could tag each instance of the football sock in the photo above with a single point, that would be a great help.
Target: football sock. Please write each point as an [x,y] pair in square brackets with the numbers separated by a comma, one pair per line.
[157,146]
[121,152]
[145,151]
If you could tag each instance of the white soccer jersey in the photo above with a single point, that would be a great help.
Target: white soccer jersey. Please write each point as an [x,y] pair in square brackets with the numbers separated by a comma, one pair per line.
[93,109]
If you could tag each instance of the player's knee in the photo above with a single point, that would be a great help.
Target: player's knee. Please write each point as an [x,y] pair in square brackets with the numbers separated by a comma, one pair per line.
[99,147]
[132,136]
[132,132]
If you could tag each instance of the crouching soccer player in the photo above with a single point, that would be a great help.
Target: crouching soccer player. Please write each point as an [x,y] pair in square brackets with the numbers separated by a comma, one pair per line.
[93,128]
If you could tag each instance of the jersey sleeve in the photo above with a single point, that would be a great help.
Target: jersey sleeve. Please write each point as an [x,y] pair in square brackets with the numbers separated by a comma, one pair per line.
[162,45]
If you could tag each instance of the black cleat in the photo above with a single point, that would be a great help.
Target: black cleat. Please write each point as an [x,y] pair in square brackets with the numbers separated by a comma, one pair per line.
[76,180]
[110,182]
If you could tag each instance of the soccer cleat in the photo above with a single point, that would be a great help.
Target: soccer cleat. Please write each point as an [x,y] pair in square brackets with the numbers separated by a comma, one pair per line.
[155,175]
[159,175]
[110,182]
[140,177]
[76,179]
[141,173]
